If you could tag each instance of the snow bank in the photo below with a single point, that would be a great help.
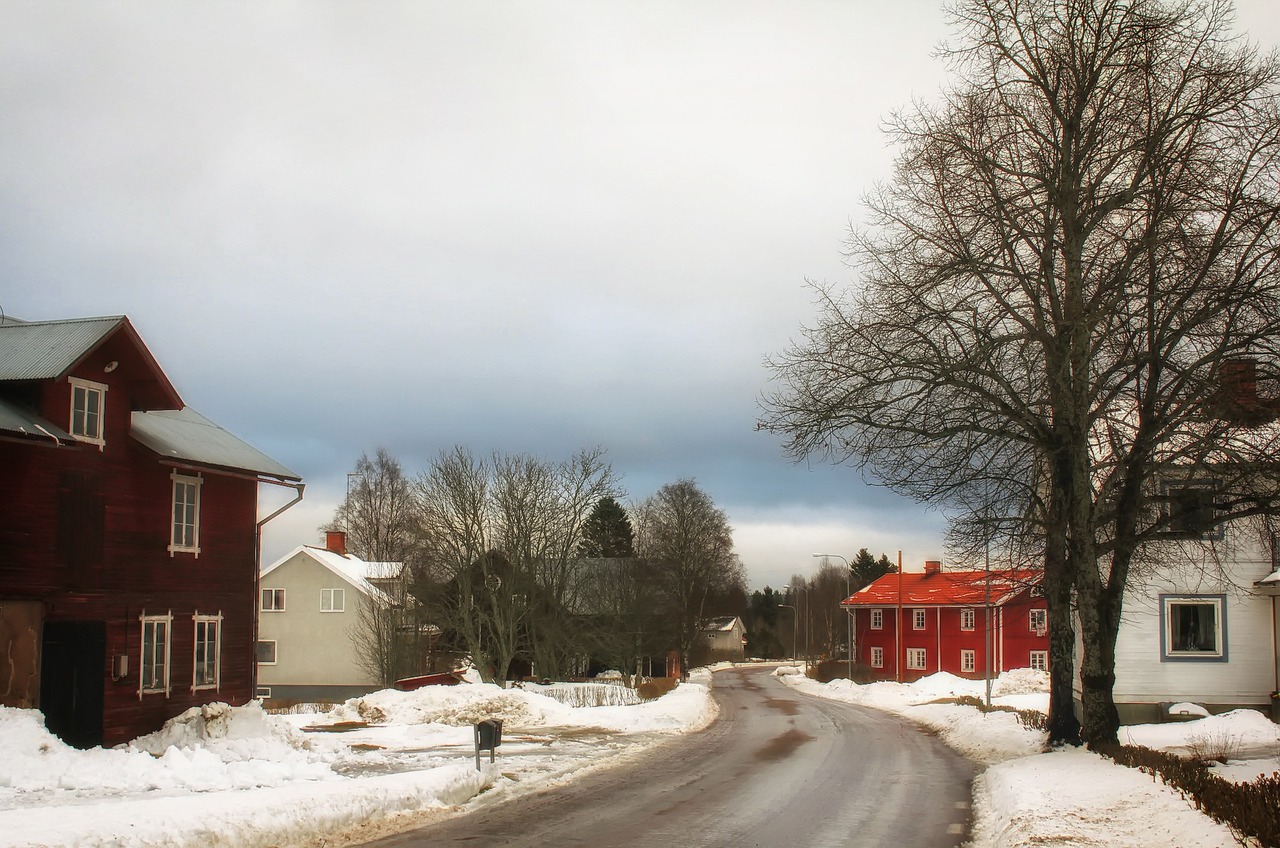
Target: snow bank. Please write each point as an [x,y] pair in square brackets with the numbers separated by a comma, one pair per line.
[455,706]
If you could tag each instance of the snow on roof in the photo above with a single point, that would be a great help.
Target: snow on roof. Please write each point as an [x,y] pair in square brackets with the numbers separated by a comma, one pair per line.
[723,623]
[349,567]
[945,588]
[188,435]
[16,419]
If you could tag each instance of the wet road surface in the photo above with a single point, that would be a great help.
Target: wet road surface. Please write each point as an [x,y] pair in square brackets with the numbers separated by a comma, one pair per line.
[777,768]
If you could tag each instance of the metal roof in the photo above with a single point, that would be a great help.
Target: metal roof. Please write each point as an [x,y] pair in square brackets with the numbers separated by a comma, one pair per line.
[187,435]
[46,350]
[16,419]
[945,588]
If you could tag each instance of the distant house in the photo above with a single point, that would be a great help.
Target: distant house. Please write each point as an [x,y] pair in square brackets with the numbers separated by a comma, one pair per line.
[720,639]
[129,535]
[316,625]
[910,625]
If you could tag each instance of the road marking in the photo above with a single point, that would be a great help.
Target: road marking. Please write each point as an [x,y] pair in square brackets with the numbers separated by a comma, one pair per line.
[955,828]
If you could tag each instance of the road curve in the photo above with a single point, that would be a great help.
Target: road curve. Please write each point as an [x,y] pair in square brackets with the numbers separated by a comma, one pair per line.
[777,768]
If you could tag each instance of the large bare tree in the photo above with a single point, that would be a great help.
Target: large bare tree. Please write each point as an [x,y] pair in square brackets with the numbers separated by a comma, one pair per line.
[1078,245]
[687,544]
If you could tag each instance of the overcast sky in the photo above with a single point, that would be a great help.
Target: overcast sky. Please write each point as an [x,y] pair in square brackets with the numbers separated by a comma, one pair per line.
[518,226]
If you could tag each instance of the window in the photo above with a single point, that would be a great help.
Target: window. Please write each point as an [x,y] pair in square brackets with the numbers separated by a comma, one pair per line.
[918,619]
[208,652]
[1193,627]
[185,535]
[1038,621]
[968,659]
[154,676]
[262,693]
[1039,660]
[88,400]
[915,658]
[877,657]
[265,652]
[966,619]
[877,619]
[331,600]
[273,600]
[1189,511]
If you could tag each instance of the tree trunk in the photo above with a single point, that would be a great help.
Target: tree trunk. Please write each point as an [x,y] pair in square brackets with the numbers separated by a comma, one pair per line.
[1099,624]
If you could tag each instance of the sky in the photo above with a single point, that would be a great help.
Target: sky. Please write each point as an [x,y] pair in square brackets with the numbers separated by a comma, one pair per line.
[235,776]
[518,227]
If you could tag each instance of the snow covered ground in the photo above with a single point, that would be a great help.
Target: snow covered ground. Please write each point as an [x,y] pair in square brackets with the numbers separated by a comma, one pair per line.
[226,776]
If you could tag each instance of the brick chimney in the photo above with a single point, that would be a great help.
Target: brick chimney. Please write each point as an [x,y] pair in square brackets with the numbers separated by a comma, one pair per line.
[932,566]
[336,541]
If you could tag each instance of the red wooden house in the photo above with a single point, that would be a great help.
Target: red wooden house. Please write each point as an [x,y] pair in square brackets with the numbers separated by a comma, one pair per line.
[910,625]
[129,536]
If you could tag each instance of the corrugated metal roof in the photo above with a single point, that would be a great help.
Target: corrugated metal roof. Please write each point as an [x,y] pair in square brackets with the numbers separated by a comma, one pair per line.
[187,435]
[46,350]
[16,419]
[945,588]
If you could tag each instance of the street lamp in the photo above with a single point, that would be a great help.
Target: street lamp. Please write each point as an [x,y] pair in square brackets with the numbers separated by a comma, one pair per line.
[794,616]
[848,614]
[804,589]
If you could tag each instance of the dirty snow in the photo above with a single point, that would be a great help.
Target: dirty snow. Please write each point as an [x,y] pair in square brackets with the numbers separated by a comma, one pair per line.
[391,759]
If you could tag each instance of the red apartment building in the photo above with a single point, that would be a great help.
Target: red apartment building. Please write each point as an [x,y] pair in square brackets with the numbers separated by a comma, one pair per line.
[129,536]
[910,625]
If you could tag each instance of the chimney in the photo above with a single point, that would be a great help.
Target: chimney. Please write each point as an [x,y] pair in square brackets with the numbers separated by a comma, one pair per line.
[932,566]
[336,541]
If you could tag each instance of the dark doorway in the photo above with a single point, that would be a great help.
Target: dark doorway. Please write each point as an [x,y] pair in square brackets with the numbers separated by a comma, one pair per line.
[72,676]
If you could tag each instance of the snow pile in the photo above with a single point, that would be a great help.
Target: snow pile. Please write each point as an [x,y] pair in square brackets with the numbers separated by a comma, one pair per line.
[1237,735]
[455,706]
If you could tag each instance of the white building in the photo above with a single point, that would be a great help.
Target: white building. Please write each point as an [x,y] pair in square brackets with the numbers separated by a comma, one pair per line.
[310,621]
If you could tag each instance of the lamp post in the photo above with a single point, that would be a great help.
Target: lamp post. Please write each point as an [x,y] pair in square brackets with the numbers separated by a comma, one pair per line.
[848,620]
[804,589]
[794,615]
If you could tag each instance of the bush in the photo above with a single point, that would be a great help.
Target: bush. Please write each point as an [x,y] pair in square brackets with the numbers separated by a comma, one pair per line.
[656,687]
[824,671]
[1249,809]
[1030,719]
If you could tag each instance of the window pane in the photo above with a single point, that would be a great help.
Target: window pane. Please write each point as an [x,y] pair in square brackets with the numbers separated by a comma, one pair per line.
[1193,627]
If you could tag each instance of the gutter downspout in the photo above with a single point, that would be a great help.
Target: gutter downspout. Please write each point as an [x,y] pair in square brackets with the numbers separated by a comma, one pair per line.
[897,637]
[257,574]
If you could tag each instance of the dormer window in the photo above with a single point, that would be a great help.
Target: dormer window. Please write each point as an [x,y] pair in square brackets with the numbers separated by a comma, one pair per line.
[88,403]
[1189,510]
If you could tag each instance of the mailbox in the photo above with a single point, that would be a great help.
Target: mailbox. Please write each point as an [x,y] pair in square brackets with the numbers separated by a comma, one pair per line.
[488,737]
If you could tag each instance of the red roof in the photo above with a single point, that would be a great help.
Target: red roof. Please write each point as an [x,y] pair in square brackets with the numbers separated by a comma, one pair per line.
[945,588]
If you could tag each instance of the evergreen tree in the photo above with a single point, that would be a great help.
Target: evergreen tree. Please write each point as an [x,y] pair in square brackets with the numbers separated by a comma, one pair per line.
[607,532]
[866,569]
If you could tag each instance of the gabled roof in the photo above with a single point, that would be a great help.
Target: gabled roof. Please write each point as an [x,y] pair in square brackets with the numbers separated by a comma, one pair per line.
[49,350]
[945,588]
[724,623]
[188,436]
[349,567]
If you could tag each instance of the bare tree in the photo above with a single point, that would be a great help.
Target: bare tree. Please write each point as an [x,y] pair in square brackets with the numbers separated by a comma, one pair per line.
[1078,244]
[377,512]
[688,546]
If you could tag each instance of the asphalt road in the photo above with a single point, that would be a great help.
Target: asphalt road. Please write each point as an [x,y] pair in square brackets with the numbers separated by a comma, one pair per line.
[777,768]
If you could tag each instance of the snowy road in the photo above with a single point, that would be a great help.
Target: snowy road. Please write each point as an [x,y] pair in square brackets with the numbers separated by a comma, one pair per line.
[778,768]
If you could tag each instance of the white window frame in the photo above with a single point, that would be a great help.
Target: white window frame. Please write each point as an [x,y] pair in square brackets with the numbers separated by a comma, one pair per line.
[272,594]
[1218,653]
[147,654]
[207,621]
[77,424]
[967,618]
[262,693]
[919,619]
[877,657]
[917,659]
[184,483]
[1038,660]
[328,598]
[1038,621]
[968,660]
[275,651]
[877,619]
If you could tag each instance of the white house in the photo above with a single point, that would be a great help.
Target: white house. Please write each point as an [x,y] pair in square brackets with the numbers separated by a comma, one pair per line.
[720,639]
[310,620]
